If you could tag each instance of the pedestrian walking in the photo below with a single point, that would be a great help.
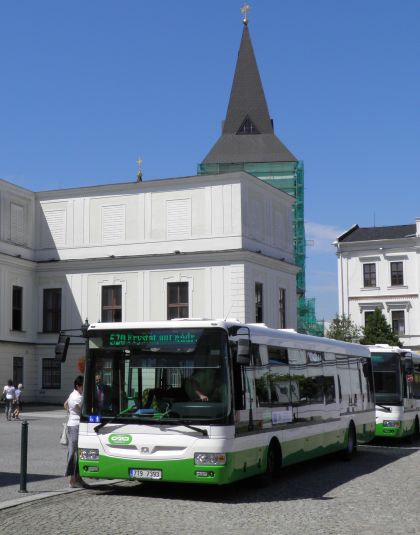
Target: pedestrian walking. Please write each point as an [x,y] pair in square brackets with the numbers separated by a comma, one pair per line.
[8,396]
[73,405]
[17,402]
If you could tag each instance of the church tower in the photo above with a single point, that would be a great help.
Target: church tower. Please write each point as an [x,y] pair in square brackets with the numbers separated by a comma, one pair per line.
[248,143]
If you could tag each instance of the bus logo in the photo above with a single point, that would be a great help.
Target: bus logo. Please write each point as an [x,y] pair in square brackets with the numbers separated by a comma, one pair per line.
[120,439]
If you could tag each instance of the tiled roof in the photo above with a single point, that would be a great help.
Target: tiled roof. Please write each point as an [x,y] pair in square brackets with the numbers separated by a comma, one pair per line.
[377,233]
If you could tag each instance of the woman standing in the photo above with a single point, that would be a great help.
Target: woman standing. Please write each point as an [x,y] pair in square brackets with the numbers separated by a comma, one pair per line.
[74,406]
[9,396]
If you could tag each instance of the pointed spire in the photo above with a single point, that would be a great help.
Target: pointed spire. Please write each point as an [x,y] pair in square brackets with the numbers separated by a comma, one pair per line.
[247,95]
[247,132]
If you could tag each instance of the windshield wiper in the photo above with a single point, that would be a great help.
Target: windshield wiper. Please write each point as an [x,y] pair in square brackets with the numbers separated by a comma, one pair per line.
[386,409]
[113,418]
[185,424]
[182,422]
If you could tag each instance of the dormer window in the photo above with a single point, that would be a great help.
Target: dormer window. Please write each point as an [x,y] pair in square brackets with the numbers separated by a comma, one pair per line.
[248,127]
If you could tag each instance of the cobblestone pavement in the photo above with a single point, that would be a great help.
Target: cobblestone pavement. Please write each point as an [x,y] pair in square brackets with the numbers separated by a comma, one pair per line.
[378,493]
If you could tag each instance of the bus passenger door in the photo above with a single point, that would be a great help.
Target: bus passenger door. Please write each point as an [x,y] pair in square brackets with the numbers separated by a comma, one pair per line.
[249,454]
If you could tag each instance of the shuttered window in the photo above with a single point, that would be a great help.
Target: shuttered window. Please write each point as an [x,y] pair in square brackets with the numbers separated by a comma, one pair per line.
[56,221]
[17,230]
[178,219]
[113,223]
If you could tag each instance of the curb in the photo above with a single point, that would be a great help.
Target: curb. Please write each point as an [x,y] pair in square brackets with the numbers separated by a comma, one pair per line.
[35,497]
[50,494]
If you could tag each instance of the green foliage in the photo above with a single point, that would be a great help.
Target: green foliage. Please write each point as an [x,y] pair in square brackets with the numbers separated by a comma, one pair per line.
[378,331]
[342,328]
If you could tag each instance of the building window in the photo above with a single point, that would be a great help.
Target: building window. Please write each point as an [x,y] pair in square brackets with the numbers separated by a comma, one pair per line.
[177,300]
[111,304]
[52,310]
[17,370]
[397,276]
[368,314]
[248,127]
[258,302]
[51,374]
[398,321]
[369,275]
[17,300]
[282,308]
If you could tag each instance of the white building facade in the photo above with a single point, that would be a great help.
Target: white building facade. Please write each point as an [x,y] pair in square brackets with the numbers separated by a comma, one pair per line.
[208,246]
[379,267]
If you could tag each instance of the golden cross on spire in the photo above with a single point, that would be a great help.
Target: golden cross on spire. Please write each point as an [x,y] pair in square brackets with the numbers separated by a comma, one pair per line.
[139,172]
[245,9]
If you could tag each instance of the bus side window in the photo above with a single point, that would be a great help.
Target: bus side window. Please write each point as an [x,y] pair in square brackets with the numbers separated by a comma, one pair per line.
[256,358]
[329,389]
[340,395]
[239,386]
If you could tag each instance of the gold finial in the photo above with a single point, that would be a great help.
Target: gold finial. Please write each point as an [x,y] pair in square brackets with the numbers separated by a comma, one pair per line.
[139,173]
[245,9]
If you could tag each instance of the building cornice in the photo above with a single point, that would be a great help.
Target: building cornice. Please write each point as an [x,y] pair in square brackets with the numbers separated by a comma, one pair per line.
[176,258]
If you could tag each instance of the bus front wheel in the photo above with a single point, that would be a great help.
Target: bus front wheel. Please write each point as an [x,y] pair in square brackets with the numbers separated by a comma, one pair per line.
[273,465]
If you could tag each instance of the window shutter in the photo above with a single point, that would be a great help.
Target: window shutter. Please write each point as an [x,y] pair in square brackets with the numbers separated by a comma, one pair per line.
[113,223]
[56,221]
[178,219]
[16,223]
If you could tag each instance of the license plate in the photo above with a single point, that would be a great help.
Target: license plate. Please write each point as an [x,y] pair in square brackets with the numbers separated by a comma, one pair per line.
[139,473]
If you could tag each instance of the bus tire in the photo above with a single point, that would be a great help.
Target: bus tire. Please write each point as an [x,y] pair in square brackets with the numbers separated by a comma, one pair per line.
[416,427]
[412,436]
[273,465]
[351,447]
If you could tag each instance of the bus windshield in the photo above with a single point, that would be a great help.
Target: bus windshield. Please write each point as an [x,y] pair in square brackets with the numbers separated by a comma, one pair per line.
[387,377]
[158,375]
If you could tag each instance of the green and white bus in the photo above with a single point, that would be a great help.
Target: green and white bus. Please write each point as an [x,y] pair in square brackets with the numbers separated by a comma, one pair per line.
[397,385]
[212,402]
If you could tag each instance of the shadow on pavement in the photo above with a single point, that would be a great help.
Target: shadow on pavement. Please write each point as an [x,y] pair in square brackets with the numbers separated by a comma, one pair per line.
[8,479]
[309,480]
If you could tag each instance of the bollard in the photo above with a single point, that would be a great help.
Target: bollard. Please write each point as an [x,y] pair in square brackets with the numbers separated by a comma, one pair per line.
[23,456]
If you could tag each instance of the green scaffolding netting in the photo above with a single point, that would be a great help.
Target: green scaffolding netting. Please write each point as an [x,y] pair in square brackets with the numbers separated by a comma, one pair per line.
[287,177]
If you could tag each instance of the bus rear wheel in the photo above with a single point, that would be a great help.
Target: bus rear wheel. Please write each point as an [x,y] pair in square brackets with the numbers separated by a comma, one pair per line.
[351,448]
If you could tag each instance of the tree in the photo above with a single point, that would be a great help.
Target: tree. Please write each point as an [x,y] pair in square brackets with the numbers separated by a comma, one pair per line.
[378,331]
[342,328]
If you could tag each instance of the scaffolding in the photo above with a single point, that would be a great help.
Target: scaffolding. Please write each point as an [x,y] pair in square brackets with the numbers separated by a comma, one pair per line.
[287,177]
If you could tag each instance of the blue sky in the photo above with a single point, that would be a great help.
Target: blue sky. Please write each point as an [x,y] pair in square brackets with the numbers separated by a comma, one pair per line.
[89,86]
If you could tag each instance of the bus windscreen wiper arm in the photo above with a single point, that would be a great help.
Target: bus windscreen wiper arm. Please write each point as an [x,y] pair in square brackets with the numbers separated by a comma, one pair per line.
[387,409]
[193,427]
[112,419]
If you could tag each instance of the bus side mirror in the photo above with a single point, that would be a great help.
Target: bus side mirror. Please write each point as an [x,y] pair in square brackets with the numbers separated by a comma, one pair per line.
[62,347]
[408,366]
[367,368]
[242,352]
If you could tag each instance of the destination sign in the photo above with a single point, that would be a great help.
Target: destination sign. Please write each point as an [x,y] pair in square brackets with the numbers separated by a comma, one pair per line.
[153,338]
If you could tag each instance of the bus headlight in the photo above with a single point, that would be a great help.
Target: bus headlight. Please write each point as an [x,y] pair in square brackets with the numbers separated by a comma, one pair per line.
[392,423]
[214,459]
[88,454]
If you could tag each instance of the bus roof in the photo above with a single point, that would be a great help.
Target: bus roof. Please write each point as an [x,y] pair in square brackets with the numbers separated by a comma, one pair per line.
[259,333]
